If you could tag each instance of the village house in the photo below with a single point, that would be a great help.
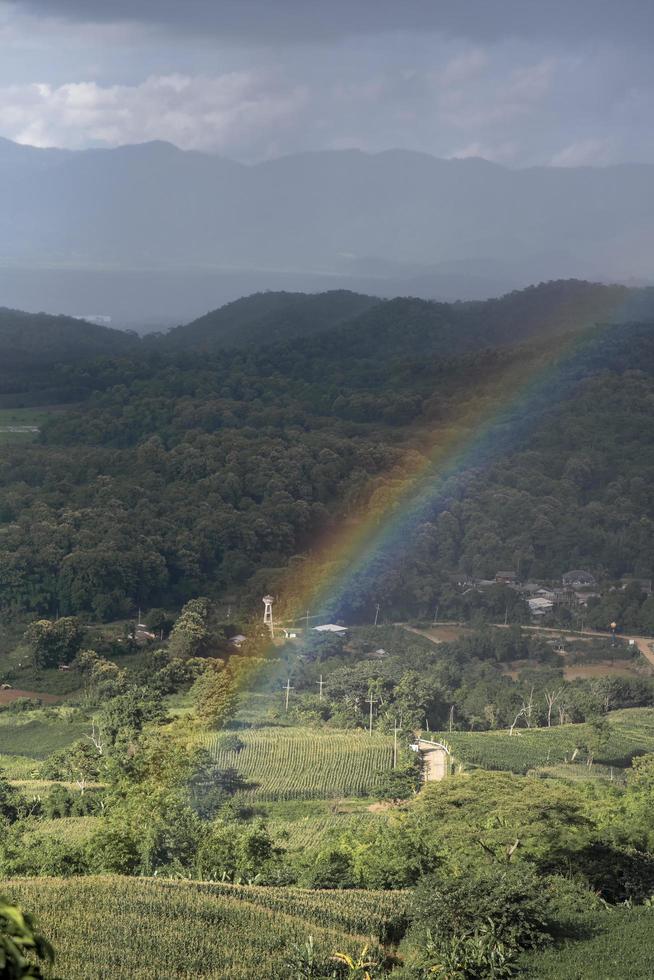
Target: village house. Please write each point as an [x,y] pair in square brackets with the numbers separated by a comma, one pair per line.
[539,606]
[577,578]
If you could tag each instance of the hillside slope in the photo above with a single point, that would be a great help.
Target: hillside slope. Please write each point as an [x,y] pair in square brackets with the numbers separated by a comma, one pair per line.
[267,318]
[47,338]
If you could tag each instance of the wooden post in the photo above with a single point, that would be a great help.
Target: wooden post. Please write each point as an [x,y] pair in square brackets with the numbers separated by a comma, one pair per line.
[370,700]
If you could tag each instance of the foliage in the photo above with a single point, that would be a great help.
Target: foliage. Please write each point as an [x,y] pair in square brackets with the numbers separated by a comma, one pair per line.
[215,695]
[55,642]
[476,954]
[19,942]
[514,900]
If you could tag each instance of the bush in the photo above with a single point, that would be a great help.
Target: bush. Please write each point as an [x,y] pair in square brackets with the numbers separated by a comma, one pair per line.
[332,868]
[19,943]
[512,898]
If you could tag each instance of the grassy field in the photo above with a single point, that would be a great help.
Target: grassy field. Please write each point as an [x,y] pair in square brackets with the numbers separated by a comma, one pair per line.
[619,946]
[17,424]
[34,735]
[631,734]
[143,929]
[281,763]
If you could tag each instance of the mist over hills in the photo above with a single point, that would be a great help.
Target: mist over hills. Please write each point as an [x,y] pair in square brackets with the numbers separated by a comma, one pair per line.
[152,233]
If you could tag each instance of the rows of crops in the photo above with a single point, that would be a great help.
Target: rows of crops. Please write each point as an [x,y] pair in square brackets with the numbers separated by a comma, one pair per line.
[316,831]
[144,929]
[619,946]
[299,763]
[631,733]
[377,914]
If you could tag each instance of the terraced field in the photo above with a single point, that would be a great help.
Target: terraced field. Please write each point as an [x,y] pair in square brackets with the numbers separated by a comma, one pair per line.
[631,734]
[301,764]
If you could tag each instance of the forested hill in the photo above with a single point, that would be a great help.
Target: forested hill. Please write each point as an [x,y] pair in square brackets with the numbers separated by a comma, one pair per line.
[180,473]
[266,318]
[36,347]
[357,323]
[57,338]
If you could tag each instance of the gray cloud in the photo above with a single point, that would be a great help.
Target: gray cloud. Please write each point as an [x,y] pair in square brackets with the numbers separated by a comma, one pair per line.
[571,88]
[292,20]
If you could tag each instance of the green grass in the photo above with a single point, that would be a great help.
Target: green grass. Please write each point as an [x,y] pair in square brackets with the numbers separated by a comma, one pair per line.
[142,929]
[18,767]
[303,763]
[632,734]
[20,418]
[37,734]
[619,946]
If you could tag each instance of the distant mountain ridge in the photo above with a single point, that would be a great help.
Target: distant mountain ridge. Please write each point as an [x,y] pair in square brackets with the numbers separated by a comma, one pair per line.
[408,325]
[46,338]
[444,228]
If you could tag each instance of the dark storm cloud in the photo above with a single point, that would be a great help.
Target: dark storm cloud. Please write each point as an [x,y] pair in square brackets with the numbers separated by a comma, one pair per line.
[275,20]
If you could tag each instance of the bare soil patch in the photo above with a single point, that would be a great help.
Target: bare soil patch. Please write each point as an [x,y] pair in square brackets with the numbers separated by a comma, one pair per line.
[603,669]
[6,697]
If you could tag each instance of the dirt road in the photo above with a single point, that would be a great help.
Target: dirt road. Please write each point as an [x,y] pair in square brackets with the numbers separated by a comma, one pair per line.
[435,761]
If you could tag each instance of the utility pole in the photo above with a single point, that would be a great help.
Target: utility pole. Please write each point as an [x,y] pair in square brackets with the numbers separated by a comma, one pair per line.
[451,717]
[320,684]
[506,615]
[229,614]
[436,614]
[307,621]
[395,745]
[288,690]
[377,607]
[370,700]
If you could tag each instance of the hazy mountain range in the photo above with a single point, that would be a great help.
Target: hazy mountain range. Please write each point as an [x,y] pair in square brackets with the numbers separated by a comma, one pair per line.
[150,234]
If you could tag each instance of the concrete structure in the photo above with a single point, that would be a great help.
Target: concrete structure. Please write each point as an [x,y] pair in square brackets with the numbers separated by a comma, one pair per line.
[435,759]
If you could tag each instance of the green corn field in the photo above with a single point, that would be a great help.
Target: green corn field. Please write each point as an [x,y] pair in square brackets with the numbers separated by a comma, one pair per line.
[141,929]
[302,764]
[631,733]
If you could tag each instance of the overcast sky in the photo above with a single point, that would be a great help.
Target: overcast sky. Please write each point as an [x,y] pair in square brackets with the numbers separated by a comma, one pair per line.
[521,82]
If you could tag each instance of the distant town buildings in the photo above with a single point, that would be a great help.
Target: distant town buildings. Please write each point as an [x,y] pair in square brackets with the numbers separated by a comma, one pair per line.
[579,579]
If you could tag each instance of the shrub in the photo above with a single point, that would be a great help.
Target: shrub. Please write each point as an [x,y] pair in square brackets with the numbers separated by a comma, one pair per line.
[19,943]
[512,898]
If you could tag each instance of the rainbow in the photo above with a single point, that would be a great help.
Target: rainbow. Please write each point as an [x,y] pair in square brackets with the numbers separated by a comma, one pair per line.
[486,426]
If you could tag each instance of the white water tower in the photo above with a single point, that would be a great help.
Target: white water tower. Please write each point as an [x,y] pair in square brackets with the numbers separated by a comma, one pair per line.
[267,613]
